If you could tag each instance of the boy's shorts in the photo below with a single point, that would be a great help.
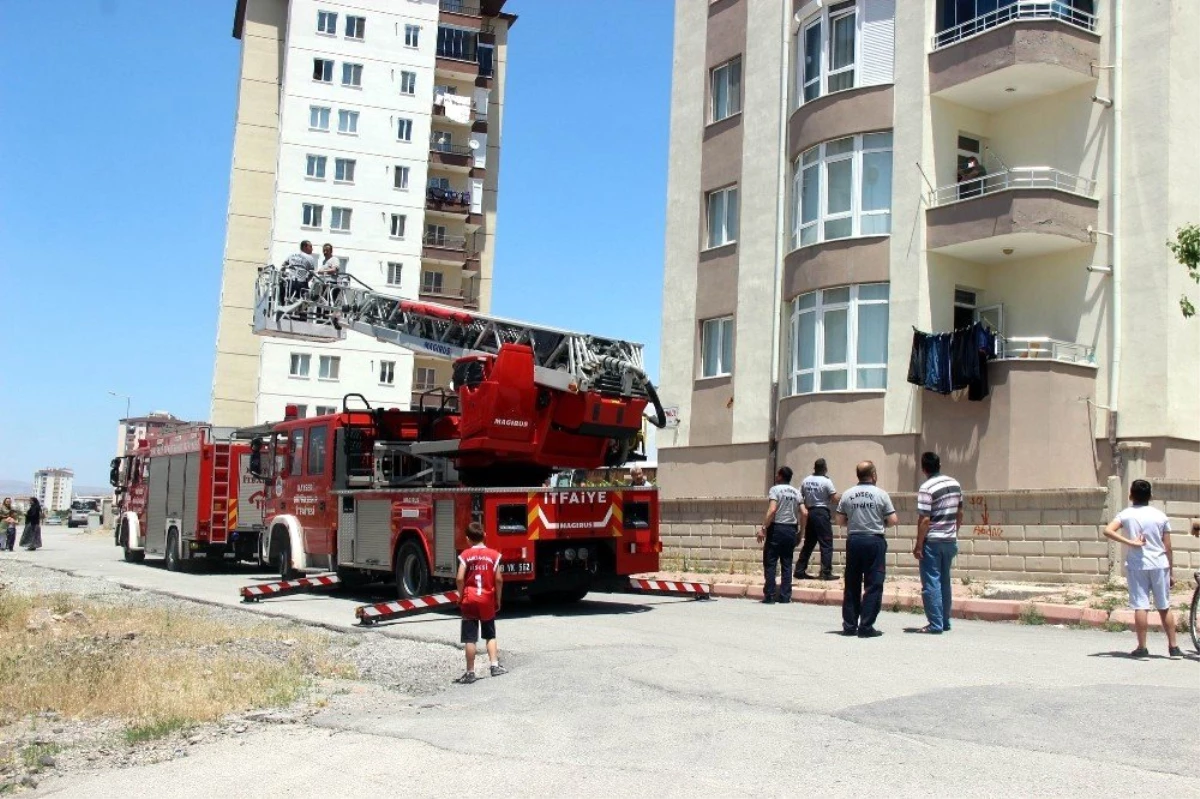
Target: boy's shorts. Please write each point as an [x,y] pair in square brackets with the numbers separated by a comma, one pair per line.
[1147,584]
[470,630]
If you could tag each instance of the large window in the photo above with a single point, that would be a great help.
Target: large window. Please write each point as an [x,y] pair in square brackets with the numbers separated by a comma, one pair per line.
[843,188]
[330,366]
[716,347]
[352,75]
[839,339]
[404,129]
[399,222]
[457,43]
[322,70]
[827,60]
[412,35]
[317,437]
[340,219]
[315,167]
[400,177]
[431,282]
[957,19]
[343,170]
[299,364]
[348,122]
[722,216]
[726,89]
[387,372]
[408,82]
[394,271]
[318,118]
[355,27]
[424,379]
[326,22]
[312,215]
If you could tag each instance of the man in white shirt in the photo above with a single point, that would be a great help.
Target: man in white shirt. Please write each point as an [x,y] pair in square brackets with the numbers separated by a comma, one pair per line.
[939,515]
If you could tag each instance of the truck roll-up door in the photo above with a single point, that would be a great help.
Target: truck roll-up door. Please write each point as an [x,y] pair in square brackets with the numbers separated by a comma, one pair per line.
[155,534]
[191,494]
[443,526]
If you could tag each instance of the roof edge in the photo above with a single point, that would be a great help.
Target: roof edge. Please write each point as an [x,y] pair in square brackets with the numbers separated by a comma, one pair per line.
[239,18]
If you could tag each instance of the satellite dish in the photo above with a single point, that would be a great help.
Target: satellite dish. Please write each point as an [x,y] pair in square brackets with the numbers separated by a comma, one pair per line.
[474,144]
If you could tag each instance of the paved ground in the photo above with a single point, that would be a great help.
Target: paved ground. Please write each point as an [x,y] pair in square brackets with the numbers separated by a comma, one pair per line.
[635,696]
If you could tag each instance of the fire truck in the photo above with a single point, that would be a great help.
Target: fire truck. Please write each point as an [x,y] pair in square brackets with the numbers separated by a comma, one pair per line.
[187,494]
[374,492]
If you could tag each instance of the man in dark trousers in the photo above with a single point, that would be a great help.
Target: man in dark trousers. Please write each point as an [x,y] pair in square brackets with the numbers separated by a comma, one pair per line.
[865,511]
[820,498]
[779,535]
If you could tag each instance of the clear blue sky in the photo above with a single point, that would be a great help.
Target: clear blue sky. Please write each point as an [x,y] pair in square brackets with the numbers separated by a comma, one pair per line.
[114,172]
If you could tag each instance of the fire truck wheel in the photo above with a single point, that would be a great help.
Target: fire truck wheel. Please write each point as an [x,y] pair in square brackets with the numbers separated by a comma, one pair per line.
[174,563]
[131,555]
[412,572]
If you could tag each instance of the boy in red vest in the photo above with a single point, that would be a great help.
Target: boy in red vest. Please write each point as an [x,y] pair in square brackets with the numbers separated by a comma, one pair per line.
[479,588]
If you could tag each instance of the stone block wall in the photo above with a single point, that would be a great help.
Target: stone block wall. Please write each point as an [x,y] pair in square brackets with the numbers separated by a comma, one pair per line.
[1053,536]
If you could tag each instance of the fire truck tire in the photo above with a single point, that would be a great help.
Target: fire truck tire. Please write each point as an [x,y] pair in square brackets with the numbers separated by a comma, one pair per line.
[174,562]
[284,560]
[131,555]
[412,571]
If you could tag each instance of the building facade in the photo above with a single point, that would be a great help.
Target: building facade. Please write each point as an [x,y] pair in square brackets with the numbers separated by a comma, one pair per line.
[53,488]
[137,428]
[823,208]
[373,126]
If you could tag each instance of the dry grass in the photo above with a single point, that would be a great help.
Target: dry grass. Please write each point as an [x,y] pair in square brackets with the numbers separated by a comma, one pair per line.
[158,670]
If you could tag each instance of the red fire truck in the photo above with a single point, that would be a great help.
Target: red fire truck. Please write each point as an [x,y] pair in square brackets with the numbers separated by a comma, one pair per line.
[187,494]
[372,492]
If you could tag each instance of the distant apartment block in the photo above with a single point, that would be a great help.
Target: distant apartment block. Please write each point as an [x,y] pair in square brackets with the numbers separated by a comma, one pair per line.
[823,207]
[373,126]
[137,428]
[53,488]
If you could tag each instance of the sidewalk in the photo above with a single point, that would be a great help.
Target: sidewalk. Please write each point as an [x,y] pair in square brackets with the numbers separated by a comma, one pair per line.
[1103,606]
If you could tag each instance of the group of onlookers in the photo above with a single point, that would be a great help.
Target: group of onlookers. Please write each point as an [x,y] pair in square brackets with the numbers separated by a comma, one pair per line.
[11,517]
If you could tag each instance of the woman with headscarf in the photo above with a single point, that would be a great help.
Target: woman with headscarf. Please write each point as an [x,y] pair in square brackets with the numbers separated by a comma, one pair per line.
[31,538]
[9,517]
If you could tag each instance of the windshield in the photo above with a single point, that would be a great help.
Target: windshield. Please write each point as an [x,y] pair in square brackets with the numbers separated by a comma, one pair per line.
[85,504]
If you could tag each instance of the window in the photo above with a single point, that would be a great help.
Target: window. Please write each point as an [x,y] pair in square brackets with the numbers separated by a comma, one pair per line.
[424,378]
[325,410]
[355,27]
[431,282]
[404,129]
[348,122]
[839,339]
[318,118]
[299,365]
[400,176]
[440,183]
[393,273]
[722,216]
[435,235]
[328,367]
[408,82]
[443,141]
[398,222]
[727,90]
[843,188]
[326,22]
[339,219]
[296,453]
[316,167]
[976,16]
[312,215]
[412,35]
[352,75]
[969,146]
[387,372]
[457,43]
[323,70]
[716,347]
[317,436]
[827,61]
[965,302]
[343,170]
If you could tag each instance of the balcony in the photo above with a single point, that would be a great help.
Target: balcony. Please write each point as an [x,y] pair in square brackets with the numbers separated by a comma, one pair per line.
[461,8]
[445,153]
[1032,211]
[1042,348]
[473,118]
[463,299]
[1017,53]
[448,201]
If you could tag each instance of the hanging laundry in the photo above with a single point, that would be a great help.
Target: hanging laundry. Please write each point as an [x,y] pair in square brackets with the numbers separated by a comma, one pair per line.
[948,362]
[458,109]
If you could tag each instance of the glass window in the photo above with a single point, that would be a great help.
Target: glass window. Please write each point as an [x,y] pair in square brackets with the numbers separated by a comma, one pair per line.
[347,121]
[352,75]
[431,282]
[394,271]
[839,339]
[412,35]
[811,48]
[716,347]
[322,70]
[408,82]
[312,215]
[400,177]
[398,224]
[355,27]
[315,167]
[329,368]
[343,170]
[326,22]
[299,364]
[827,56]
[339,219]
[726,90]
[296,453]
[722,216]
[317,438]
[424,378]
[457,43]
[841,49]
[318,117]
[843,188]
[387,372]
[325,410]
[404,129]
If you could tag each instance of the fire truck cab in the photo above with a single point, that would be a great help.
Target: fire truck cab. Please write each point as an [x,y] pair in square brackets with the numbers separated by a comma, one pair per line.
[370,494]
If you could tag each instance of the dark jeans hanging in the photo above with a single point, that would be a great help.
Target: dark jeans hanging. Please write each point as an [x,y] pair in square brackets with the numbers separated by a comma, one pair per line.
[947,362]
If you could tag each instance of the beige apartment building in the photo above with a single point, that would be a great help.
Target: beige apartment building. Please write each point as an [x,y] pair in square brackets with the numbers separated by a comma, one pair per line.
[823,206]
[373,125]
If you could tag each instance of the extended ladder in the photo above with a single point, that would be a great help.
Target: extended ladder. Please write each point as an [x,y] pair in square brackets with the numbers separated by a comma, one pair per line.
[322,310]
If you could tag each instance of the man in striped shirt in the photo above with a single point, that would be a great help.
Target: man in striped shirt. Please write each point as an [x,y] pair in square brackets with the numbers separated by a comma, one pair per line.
[939,512]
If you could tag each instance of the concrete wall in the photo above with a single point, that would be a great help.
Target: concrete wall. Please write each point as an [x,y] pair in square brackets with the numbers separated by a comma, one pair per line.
[1053,536]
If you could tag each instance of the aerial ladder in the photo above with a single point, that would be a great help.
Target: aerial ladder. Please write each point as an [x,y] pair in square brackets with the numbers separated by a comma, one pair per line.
[598,386]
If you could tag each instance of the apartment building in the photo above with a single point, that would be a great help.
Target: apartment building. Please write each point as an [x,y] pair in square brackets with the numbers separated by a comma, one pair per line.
[374,126]
[823,207]
[54,488]
[137,428]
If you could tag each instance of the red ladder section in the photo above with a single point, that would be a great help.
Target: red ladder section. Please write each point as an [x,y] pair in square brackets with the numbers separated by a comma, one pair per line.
[322,582]
[224,515]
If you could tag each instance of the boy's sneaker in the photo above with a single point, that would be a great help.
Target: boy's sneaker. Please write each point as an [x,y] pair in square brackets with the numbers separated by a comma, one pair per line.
[1175,653]
[467,678]
[497,670]
[1141,653]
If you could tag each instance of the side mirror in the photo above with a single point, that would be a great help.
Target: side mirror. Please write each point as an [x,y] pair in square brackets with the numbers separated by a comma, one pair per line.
[114,473]
[256,458]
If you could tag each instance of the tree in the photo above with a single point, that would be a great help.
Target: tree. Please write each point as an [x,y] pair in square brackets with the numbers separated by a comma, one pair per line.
[1186,248]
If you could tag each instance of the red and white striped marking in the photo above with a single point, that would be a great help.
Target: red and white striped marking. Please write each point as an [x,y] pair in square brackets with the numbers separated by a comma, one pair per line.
[698,590]
[322,582]
[369,614]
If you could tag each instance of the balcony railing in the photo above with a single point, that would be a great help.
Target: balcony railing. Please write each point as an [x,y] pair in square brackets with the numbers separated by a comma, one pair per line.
[435,194]
[1015,178]
[1022,10]
[1015,348]
[440,146]
[458,7]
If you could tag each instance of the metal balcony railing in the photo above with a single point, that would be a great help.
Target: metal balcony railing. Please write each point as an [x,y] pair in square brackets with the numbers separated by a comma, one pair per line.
[459,7]
[465,244]
[1043,348]
[1014,178]
[1022,10]
[442,196]
[441,146]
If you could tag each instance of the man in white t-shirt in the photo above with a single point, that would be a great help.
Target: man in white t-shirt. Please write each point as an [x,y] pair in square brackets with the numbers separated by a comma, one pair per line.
[1148,561]
[779,535]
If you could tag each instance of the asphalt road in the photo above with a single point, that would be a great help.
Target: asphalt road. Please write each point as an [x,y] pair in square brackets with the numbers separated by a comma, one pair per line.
[664,697]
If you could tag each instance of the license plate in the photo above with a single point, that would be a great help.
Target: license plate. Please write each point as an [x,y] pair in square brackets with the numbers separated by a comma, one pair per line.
[519,567]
